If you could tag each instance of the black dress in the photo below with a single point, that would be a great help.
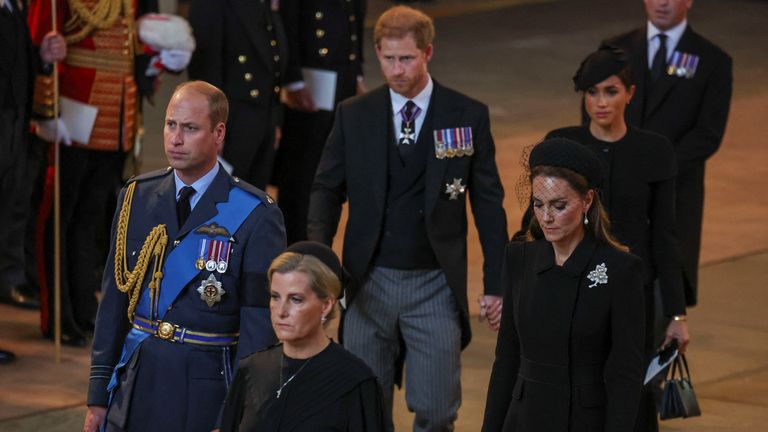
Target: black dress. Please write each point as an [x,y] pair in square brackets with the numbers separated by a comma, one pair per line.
[569,355]
[332,391]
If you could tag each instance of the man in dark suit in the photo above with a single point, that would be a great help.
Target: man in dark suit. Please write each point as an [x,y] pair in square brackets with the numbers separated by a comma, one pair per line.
[241,49]
[185,282]
[325,36]
[405,156]
[684,93]
[19,62]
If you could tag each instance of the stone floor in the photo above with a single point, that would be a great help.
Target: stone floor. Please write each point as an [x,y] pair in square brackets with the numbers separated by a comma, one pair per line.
[517,56]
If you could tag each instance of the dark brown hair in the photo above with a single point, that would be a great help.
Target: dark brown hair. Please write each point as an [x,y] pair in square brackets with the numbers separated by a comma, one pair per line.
[218,105]
[599,223]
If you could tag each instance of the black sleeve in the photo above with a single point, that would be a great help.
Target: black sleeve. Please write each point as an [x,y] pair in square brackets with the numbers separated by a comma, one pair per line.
[365,408]
[232,408]
[207,20]
[290,15]
[329,187]
[507,363]
[624,368]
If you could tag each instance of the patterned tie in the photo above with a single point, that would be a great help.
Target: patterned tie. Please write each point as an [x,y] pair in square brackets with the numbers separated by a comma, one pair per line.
[408,115]
[660,59]
[183,208]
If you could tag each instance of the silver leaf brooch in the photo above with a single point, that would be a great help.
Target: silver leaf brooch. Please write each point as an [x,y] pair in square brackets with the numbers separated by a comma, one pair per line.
[598,276]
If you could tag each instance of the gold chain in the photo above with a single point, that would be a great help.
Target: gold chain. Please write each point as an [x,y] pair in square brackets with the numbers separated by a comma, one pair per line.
[101,16]
[130,281]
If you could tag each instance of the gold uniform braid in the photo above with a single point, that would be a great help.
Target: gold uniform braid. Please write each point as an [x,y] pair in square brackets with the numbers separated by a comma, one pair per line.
[130,281]
[101,16]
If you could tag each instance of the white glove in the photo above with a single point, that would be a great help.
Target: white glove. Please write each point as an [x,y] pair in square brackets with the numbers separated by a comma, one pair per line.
[175,59]
[46,130]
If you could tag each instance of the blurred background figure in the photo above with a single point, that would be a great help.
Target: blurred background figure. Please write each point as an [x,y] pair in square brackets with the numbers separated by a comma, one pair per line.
[324,38]
[241,49]
[684,84]
[20,61]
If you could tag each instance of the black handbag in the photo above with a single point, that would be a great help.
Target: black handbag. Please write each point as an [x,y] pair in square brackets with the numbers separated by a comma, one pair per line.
[678,399]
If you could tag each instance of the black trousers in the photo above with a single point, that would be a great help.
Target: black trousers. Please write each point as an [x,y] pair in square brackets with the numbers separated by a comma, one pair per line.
[13,217]
[89,181]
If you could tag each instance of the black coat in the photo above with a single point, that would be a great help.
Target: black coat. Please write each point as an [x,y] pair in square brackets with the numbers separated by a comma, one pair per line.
[241,49]
[692,114]
[321,34]
[639,195]
[353,168]
[569,355]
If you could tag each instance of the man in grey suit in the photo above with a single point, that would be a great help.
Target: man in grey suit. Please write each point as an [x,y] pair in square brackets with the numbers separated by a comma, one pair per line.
[405,156]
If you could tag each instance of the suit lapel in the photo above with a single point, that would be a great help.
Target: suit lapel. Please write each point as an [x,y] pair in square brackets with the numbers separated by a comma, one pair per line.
[666,82]
[376,137]
[205,208]
[444,116]
[253,15]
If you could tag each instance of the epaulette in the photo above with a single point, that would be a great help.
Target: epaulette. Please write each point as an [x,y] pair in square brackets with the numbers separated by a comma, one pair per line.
[150,175]
[253,190]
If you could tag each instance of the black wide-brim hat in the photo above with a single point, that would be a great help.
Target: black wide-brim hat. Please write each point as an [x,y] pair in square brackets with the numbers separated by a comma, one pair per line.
[567,153]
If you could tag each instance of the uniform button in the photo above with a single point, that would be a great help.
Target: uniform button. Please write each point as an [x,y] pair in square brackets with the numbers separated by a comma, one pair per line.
[176,242]
[318,15]
[353,37]
[352,18]
[277,89]
[126,52]
[276,58]
[273,42]
[241,59]
[319,33]
[323,52]
[254,94]
[352,57]
[248,76]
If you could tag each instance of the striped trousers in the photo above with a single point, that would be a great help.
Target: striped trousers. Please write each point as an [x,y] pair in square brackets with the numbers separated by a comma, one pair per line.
[419,307]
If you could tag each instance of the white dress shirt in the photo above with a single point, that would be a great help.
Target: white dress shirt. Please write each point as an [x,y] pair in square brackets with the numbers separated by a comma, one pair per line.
[421,100]
[673,37]
[200,185]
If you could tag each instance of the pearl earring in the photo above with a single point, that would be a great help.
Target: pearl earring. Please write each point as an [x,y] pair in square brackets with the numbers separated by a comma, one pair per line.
[586,219]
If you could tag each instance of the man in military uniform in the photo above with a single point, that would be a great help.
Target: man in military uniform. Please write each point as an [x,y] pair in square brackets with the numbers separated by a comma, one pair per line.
[683,91]
[185,282]
[105,68]
[326,36]
[406,156]
[241,49]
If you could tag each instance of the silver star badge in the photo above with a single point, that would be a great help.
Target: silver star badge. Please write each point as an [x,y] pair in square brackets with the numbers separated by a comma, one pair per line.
[210,291]
[455,189]
[599,275]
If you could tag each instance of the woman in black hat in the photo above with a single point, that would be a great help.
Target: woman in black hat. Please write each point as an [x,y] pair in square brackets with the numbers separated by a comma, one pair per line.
[307,382]
[569,355]
[638,192]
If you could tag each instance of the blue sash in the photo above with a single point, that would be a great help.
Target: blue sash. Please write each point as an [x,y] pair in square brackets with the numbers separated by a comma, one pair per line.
[179,268]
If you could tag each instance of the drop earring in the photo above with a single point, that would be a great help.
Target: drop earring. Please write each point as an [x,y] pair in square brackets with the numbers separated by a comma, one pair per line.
[586,219]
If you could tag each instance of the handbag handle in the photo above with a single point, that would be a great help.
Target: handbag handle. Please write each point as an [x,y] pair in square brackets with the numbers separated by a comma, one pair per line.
[677,366]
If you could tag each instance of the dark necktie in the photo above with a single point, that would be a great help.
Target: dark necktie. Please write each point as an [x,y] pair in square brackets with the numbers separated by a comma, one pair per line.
[408,115]
[660,59]
[183,208]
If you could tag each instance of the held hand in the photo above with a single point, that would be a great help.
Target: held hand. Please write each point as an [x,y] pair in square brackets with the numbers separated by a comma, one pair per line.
[490,309]
[46,130]
[678,330]
[53,48]
[94,418]
[300,100]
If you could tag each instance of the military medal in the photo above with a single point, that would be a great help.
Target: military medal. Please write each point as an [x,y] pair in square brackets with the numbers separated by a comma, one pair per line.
[200,263]
[214,255]
[683,65]
[210,291]
[223,261]
[453,142]
[453,190]
[408,122]
[211,264]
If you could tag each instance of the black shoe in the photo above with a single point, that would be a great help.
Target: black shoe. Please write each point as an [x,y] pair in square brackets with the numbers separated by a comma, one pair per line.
[19,295]
[69,338]
[6,357]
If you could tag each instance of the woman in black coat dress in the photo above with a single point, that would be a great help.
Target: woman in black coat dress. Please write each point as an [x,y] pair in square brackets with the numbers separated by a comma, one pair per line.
[308,382]
[569,355]
[639,193]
